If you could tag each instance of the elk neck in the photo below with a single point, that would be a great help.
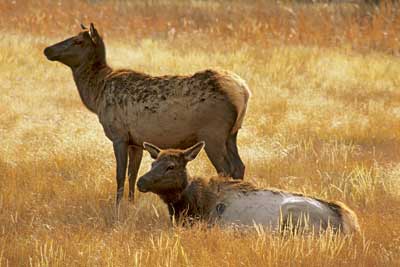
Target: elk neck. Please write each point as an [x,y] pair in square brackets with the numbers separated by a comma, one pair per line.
[175,196]
[90,80]
[194,201]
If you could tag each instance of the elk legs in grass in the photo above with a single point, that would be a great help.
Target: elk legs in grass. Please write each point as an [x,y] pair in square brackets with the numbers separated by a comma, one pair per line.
[135,158]
[121,156]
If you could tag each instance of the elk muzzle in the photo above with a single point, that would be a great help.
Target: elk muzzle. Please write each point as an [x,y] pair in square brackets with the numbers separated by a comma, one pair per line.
[143,184]
[50,53]
[58,50]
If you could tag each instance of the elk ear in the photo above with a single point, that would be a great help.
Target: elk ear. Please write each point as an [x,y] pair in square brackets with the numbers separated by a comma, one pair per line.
[94,35]
[83,27]
[192,152]
[152,149]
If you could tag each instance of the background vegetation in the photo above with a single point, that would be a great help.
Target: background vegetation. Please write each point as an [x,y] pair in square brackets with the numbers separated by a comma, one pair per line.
[324,119]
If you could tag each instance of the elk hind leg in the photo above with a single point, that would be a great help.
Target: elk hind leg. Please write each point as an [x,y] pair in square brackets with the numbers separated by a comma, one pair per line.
[237,166]
[217,152]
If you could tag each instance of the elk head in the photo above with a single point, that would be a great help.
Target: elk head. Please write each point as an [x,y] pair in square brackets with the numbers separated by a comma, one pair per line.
[86,47]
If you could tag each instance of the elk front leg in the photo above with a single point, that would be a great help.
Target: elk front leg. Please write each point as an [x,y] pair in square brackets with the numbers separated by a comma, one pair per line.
[121,156]
[135,157]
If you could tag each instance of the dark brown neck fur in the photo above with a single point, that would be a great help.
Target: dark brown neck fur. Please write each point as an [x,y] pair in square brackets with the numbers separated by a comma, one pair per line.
[89,79]
[193,203]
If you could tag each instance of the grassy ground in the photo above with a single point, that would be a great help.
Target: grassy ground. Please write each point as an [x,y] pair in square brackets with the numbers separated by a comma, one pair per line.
[324,119]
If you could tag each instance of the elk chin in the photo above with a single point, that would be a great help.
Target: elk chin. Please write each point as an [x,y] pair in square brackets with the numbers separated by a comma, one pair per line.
[143,190]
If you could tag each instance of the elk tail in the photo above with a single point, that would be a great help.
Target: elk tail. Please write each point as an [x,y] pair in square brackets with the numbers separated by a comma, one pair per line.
[239,93]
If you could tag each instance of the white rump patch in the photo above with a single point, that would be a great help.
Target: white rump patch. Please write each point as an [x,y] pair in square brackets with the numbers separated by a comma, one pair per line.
[267,207]
[258,207]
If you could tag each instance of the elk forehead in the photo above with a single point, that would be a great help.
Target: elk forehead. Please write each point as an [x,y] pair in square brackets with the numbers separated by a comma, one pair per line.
[171,155]
[82,36]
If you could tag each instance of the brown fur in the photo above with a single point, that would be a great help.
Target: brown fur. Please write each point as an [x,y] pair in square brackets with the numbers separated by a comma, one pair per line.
[350,221]
[170,111]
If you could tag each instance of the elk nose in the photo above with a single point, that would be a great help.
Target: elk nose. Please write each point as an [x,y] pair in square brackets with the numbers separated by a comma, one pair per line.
[141,184]
[49,53]
[46,51]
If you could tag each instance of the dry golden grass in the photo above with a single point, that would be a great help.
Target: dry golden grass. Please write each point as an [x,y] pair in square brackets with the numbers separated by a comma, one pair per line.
[324,119]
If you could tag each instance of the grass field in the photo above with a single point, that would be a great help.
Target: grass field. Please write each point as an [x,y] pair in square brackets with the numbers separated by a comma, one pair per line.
[324,120]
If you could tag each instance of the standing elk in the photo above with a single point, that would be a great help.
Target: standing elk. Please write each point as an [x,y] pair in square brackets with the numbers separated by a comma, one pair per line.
[169,111]
[233,202]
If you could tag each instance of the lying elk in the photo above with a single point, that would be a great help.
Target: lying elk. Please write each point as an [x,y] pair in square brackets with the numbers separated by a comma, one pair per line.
[232,202]
[169,111]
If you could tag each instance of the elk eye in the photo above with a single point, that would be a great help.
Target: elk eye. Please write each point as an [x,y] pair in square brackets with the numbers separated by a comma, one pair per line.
[170,167]
[78,42]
